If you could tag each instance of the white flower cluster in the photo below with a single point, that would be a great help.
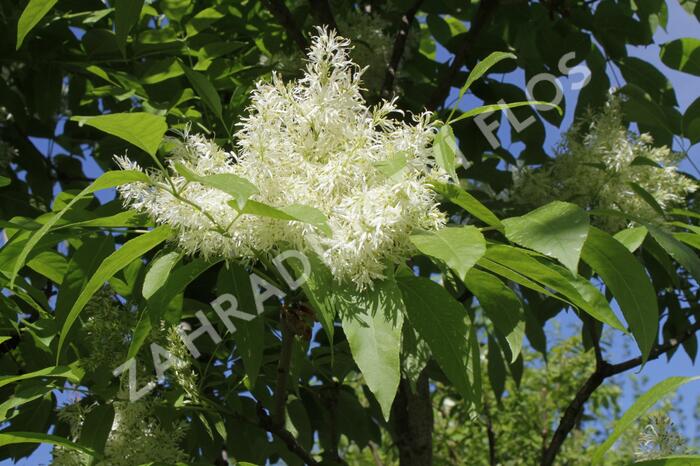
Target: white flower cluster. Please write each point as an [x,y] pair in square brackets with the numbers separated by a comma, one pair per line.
[313,142]
[596,166]
[136,437]
[106,330]
[659,439]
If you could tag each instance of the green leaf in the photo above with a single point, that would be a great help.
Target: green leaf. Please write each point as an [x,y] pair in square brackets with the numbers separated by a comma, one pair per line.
[175,284]
[32,14]
[14,438]
[105,181]
[294,212]
[501,305]
[691,122]
[682,55]
[495,107]
[374,336]
[641,406]
[308,214]
[126,14]
[73,374]
[445,151]
[4,181]
[528,268]
[50,264]
[158,272]
[557,229]
[647,197]
[629,284]
[321,289]
[250,335]
[393,165]
[441,322]
[141,332]
[23,395]
[205,90]
[233,185]
[690,239]
[631,238]
[460,197]
[144,130]
[96,428]
[678,251]
[690,460]
[477,72]
[458,247]
[202,20]
[130,218]
[81,266]
[685,213]
[496,368]
[116,261]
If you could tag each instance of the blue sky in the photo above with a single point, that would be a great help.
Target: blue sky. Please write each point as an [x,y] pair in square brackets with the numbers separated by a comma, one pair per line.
[687,90]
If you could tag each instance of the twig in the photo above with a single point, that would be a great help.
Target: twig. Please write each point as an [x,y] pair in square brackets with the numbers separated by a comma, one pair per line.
[399,47]
[283,434]
[323,12]
[491,435]
[264,421]
[483,14]
[603,371]
[283,16]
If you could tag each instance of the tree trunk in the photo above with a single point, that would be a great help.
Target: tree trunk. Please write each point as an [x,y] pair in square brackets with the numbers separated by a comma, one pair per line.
[412,418]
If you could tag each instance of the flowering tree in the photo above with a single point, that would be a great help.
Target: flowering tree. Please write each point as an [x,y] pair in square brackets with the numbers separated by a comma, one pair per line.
[259,232]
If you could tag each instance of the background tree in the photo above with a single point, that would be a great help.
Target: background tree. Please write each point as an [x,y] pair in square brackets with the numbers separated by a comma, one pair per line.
[329,370]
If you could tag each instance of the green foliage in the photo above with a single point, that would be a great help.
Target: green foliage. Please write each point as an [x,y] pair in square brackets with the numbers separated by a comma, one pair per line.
[626,279]
[442,323]
[458,247]
[328,368]
[557,230]
[644,403]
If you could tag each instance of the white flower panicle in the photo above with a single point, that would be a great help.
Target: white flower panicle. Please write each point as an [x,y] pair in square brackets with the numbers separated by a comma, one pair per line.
[659,439]
[136,437]
[312,142]
[597,165]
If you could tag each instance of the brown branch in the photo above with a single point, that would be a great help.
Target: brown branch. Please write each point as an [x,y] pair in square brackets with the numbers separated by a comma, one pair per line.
[412,419]
[482,16]
[603,371]
[283,16]
[491,435]
[399,47]
[267,423]
[323,13]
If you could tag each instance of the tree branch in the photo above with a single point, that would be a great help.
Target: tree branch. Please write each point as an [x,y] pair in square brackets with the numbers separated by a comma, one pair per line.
[491,435]
[412,419]
[482,16]
[267,423]
[399,47]
[283,16]
[323,13]
[603,371]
